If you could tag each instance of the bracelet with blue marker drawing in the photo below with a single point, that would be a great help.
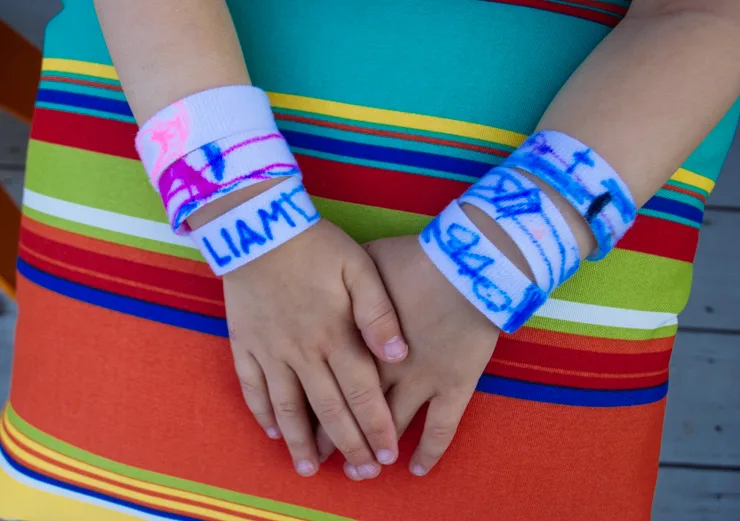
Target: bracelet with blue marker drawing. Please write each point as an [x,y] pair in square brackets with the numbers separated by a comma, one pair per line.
[484,275]
[584,179]
[532,221]
[256,227]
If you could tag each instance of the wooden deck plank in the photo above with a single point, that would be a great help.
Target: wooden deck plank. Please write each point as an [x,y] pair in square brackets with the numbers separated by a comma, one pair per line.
[715,294]
[727,192]
[697,495]
[702,425]
[13,141]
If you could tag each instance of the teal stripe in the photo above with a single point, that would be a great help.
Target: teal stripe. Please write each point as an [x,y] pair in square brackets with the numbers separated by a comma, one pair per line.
[86,112]
[669,217]
[683,198]
[390,142]
[83,89]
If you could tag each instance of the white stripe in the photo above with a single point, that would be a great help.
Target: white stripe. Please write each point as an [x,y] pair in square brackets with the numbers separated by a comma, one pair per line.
[136,227]
[75,496]
[605,316]
[103,219]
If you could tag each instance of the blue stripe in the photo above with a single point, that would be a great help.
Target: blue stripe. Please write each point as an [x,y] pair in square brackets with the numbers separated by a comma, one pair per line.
[32,474]
[130,306]
[673,207]
[303,140]
[217,326]
[84,101]
[567,395]
[383,154]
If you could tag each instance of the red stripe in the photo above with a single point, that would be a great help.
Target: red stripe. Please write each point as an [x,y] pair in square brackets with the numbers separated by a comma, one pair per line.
[661,237]
[87,83]
[604,6]
[570,10]
[685,191]
[195,285]
[106,136]
[577,381]
[548,357]
[390,133]
[121,288]
[352,183]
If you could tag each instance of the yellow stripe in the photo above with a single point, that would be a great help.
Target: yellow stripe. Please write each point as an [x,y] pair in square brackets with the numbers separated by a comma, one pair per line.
[370,115]
[398,119]
[79,67]
[693,179]
[90,482]
[19,501]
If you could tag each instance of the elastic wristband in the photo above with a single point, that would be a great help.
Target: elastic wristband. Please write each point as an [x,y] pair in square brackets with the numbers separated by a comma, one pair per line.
[218,168]
[532,221]
[586,181]
[197,120]
[256,227]
[479,271]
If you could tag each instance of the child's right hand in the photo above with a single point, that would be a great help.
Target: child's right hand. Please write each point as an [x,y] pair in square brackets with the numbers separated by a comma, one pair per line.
[297,319]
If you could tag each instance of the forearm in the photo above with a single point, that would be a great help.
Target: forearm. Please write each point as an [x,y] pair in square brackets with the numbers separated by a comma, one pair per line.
[644,100]
[166,50]
[169,49]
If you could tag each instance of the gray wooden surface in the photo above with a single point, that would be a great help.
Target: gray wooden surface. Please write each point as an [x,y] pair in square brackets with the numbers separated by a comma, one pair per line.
[700,461]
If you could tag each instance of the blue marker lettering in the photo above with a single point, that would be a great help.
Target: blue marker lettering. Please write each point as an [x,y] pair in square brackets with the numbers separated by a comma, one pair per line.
[248,236]
[274,216]
[230,242]
[288,198]
[221,261]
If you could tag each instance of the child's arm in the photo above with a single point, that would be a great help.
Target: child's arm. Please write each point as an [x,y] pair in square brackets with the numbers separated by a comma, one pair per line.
[293,313]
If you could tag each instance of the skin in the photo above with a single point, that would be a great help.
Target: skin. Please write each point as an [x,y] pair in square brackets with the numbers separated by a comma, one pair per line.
[644,99]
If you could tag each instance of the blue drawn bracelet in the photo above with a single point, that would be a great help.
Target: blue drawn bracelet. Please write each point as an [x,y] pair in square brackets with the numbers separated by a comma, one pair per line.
[256,227]
[483,274]
[586,181]
[532,221]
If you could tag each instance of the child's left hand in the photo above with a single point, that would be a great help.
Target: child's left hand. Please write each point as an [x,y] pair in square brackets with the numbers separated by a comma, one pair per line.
[450,343]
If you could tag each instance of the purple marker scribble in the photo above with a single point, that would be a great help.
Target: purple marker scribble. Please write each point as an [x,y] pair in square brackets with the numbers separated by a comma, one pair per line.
[242,144]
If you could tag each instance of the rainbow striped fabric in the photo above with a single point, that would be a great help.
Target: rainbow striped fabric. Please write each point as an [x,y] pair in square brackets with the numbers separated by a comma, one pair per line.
[124,404]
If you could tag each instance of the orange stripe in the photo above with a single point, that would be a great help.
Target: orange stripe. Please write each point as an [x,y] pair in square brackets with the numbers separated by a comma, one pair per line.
[111,249]
[587,374]
[594,344]
[685,191]
[29,252]
[19,457]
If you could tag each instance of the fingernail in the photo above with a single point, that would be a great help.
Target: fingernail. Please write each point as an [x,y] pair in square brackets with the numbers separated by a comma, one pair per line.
[305,468]
[395,348]
[352,471]
[418,470]
[385,456]
[273,433]
[367,471]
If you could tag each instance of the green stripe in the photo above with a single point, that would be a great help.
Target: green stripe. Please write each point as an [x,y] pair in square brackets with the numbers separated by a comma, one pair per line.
[682,198]
[616,333]
[114,237]
[84,111]
[625,279]
[669,217]
[161,479]
[631,280]
[83,89]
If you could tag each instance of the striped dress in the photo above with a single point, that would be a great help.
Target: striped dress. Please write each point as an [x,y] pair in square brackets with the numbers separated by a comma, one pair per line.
[124,402]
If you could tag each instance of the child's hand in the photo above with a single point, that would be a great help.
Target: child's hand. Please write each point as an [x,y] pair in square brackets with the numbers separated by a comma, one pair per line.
[297,319]
[451,343]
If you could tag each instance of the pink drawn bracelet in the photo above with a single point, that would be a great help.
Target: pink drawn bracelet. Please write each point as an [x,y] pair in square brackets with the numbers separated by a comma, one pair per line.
[209,144]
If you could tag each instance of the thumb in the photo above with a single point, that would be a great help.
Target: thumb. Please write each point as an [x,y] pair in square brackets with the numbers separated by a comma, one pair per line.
[375,315]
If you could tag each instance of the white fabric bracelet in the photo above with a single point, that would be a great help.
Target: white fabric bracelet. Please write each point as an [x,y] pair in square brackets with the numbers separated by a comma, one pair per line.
[256,227]
[483,274]
[532,221]
[585,179]
[197,120]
